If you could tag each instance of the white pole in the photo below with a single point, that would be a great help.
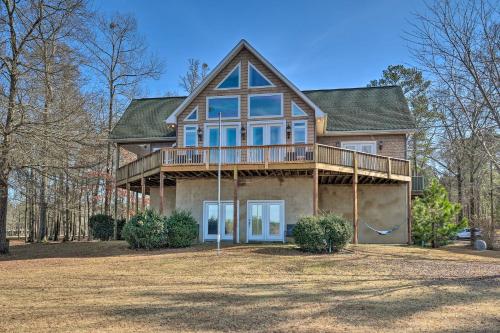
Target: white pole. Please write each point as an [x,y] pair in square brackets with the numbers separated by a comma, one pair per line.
[219,208]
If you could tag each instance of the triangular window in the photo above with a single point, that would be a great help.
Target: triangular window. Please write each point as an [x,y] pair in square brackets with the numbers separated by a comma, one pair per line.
[297,111]
[232,80]
[193,116]
[256,79]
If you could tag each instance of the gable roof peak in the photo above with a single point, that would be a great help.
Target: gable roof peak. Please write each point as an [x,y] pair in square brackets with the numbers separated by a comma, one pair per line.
[172,119]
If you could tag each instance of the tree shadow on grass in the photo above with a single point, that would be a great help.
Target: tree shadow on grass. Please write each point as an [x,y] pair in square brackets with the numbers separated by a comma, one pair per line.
[271,306]
[87,249]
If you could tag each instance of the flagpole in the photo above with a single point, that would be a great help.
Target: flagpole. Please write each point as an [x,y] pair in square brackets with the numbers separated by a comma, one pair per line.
[219,215]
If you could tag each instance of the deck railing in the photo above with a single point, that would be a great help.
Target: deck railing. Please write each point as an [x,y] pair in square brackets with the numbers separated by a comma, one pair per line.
[265,155]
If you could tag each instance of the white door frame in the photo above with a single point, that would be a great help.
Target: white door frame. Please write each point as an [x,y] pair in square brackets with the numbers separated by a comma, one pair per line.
[266,124]
[204,225]
[265,220]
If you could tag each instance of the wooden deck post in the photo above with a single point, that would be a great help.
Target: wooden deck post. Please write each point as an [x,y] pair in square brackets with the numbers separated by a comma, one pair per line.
[128,201]
[136,202]
[315,191]
[162,190]
[143,193]
[236,225]
[355,198]
[389,168]
[409,207]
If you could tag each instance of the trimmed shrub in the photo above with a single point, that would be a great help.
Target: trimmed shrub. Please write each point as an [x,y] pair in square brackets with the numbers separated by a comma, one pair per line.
[324,233]
[181,228]
[102,226]
[145,231]
[309,235]
[337,230]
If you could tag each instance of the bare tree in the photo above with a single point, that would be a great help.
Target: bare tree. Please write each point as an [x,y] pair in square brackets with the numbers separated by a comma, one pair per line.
[196,73]
[119,56]
[19,21]
[458,43]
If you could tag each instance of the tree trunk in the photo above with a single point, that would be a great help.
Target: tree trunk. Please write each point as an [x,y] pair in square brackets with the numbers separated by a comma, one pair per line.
[472,206]
[4,244]
[107,183]
[42,233]
[460,194]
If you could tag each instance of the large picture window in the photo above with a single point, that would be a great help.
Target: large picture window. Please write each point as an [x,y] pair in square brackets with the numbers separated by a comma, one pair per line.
[265,105]
[227,106]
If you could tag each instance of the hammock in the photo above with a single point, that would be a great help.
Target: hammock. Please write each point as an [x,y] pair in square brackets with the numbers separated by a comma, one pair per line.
[383,232]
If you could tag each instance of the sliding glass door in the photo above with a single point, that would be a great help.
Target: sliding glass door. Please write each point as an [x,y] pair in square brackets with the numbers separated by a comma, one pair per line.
[210,220]
[264,134]
[266,220]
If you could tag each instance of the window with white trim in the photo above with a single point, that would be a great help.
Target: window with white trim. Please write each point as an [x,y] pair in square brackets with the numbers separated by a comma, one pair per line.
[193,115]
[297,111]
[227,106]
[299,132]
[190,135]
[269,105]
[369,147]
[256,79]
[232,80]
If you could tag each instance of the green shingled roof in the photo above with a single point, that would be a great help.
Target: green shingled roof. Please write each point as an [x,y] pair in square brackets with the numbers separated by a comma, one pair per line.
[356,109]
[145,118]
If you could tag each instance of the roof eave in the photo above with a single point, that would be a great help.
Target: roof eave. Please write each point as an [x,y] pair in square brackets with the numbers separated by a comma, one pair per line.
[142,140]
[369,132]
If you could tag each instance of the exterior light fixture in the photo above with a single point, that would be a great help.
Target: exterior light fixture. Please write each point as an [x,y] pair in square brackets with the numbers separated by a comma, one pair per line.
[243,132]
[288,131]
[380,145]
[200,134]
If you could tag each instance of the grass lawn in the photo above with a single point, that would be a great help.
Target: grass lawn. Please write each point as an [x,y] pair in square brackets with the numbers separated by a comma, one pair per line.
[91,286]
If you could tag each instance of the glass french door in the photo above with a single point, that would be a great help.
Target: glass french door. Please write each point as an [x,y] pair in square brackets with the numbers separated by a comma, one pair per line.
[263,135]
[266,220]
[210,220]
[230,138]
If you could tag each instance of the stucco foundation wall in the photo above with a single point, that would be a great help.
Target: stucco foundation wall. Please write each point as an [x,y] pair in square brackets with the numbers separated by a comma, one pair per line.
[168,199]
[381,206]
[296,191]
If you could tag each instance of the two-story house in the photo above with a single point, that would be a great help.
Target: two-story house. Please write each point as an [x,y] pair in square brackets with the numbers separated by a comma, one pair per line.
[285,153]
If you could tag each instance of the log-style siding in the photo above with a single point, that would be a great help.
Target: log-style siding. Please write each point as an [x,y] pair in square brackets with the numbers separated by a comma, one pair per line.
[280,87]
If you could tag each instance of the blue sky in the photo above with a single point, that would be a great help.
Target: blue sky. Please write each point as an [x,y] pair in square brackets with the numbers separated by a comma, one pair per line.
[316,44]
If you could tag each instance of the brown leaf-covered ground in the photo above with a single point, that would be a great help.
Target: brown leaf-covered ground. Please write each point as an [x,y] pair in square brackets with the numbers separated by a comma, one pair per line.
[103,286]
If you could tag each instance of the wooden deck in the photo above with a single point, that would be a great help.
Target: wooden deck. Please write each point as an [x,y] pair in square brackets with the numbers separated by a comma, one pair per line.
[333,163]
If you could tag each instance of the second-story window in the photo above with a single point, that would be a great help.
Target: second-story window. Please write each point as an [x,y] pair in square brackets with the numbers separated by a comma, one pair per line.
[227,106]
[269,105]
[299,132]
[190,136]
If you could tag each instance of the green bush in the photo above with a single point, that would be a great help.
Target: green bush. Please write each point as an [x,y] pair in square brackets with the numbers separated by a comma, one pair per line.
[145,231]
[435,217]
[338,231]
[102,226]
[309,235]
[181,228]
[324,233]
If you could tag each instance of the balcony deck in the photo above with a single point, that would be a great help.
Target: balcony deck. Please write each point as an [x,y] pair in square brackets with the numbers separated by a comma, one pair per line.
[335,165]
